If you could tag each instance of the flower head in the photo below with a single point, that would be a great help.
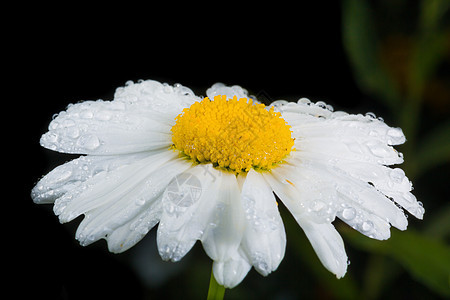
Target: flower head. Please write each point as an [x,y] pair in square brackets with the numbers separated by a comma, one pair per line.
[207,169]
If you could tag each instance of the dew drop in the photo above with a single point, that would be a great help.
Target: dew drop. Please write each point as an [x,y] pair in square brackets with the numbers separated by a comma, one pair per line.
[88,141]
[371,115]
[279,103]
[86,114]
[73,132]
[373,133]
[321,104]
[51,137]
[367,225]
[353,147]
[140,201]
[317,206]
[395,133]
[420,210]
[304,101]
[103,115]
[397,175]
[349,213]
[67,123]
[377,150]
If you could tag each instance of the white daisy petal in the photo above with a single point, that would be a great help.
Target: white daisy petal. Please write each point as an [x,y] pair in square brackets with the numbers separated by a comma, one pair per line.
[157,97]
[356,137]
[365,222]
[340,125]
[127,235]
[123,206]
[189,202]
[328,245]
[324,238]
[106,128]
[391,182]
[139,119]
[350,148]
[264,238]
[231,272]
[304,108]
[224,234]
[72,174]
[325,193]
[107,187]
[356,192]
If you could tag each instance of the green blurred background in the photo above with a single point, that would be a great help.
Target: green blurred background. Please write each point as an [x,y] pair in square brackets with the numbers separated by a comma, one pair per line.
[391,57]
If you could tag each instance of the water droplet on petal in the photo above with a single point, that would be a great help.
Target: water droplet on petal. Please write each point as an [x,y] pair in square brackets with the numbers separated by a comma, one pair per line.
[304,101]
[51,137]
[321,104]
[140,201]
[373,133]
[349,213]
[371,115]
[367,225]
[88,141]
[318,205]
[395,132]
[73,132]
[103,115]
[397,175]
[377,150]
[86,114]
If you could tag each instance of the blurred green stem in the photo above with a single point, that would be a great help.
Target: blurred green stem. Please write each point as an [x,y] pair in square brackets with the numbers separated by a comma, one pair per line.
[216,291]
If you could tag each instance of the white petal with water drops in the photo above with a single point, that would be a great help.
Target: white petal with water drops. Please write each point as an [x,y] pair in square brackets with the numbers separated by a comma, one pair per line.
[188,209]
[136,195]
[224,234]
[264,238]
[127,235]
[71,175]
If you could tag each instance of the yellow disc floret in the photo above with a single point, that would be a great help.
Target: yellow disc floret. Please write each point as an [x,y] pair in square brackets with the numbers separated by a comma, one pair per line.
[232,134]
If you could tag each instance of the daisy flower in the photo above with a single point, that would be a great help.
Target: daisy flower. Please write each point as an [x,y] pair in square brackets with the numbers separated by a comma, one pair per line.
[209,169]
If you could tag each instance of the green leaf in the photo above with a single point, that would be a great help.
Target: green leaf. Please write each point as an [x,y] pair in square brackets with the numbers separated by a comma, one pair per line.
[426,259]
[361,44]
[432,12]
[438,224]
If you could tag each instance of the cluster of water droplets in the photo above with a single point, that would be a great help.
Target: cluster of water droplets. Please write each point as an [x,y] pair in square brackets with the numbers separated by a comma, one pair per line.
[359,220]
[156,96]
[73,130]
[324,207]
[71,175]
[136,107]
[259,219]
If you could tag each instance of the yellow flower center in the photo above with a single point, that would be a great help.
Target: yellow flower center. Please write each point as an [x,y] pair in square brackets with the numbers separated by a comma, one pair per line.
[233,134]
